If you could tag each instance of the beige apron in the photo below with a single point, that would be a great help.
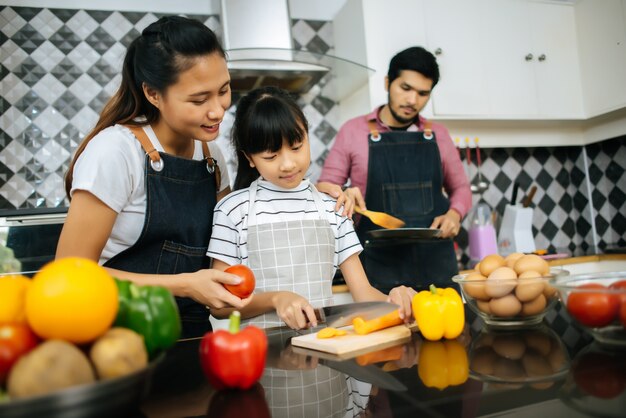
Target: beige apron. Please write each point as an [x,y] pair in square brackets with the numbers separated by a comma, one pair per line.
[295,256]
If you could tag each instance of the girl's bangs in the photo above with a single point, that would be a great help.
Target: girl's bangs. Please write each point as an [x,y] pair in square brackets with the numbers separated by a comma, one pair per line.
[272,123]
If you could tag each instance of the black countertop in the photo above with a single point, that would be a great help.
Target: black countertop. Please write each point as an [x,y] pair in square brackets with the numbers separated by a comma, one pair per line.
[584,379]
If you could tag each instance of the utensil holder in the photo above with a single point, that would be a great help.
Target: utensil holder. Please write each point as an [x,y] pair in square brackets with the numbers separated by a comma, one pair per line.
[516,231]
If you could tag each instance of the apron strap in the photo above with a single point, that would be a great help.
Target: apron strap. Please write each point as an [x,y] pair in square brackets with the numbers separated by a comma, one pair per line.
[317,199]
[374,134]
[143,139]
[211,165]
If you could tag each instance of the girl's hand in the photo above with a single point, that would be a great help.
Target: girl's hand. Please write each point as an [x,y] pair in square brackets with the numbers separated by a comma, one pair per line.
[403,296]
[342,198]
[294,310]
[206,287]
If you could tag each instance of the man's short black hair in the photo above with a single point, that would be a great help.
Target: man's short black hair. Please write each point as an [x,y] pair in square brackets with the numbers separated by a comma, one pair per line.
[417,59]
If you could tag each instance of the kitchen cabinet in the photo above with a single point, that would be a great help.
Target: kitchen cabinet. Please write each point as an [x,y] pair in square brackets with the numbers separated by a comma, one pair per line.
[514,59]
[602,40]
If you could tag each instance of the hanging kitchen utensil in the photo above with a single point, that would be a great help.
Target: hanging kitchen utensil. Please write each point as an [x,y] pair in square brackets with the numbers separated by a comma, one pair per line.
[468,159]
[380,218]
[529,197]
[482,184]
[458,148]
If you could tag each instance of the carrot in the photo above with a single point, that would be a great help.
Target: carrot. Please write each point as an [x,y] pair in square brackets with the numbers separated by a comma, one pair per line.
[387,354]
[330,332]
[363,327]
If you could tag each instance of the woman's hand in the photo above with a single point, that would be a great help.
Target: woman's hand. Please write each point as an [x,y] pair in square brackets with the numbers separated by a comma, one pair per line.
[294,310]
[206,287]
[449,224]
[402,296]
[355,196]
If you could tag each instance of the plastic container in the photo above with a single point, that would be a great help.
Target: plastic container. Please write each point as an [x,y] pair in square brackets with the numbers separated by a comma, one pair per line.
[482,234]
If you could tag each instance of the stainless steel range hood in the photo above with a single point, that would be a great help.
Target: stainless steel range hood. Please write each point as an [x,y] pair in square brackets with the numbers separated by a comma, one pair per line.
[257,38]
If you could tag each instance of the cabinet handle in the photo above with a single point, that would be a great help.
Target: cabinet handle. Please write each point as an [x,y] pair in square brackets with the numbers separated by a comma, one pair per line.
[542,57]
[438,51]
[529,57]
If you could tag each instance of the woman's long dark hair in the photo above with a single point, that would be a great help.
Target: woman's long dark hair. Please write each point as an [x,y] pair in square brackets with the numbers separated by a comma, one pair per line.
[165,48]
[265,118]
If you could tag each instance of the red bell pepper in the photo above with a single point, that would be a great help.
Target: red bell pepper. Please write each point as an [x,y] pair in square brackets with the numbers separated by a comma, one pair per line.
[233,358]
[15,341]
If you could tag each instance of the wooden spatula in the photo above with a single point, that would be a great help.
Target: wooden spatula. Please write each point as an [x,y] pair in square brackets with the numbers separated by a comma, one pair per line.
[381,219]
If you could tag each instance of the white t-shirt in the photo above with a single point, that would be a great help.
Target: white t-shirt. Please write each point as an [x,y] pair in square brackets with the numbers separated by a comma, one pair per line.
[229,239]
[112,168]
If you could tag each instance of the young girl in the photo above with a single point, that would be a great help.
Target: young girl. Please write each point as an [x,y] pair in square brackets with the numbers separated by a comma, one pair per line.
[142,182]
[279,225]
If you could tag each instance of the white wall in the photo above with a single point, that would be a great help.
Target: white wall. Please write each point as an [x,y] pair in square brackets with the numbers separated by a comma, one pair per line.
[314,9]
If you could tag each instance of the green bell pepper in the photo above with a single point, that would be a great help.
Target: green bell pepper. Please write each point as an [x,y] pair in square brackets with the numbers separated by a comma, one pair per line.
[150,311]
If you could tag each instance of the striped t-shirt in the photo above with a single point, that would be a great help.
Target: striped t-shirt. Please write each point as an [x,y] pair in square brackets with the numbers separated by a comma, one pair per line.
[229,238]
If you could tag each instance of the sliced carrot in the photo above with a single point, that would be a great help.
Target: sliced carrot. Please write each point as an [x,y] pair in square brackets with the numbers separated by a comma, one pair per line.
[363,327]
[330,332]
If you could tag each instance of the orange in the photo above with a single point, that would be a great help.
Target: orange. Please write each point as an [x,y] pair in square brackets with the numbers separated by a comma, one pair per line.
[12,296]
[72,299]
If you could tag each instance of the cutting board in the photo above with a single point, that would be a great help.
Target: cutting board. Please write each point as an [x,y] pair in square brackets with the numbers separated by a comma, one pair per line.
[353,343]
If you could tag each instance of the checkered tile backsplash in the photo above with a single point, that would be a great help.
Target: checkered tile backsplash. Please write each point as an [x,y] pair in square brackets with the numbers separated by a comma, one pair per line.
[59,66]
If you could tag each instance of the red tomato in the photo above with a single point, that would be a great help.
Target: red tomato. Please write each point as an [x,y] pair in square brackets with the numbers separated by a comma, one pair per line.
[246,287]
[593,309]
[15,340]
[600,374]
[621,285]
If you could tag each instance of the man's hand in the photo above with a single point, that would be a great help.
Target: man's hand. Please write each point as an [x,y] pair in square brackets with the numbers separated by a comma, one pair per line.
[449,224]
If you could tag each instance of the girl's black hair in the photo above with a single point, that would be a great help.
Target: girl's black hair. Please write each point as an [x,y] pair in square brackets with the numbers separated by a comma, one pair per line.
[265,117]
[165,49]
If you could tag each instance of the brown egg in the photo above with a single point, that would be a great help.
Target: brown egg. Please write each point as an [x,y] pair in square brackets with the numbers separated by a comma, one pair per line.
[557,358]
[500,282]
[542,385]
[538,341]
[548,291]
[531,262]
[510,259]
[483,305]
[535,306]
[482,360]
[477,267]
[505,306]
[490,263]
[509,346]
[476,286]
[529,286]
[536,365]
[508,369]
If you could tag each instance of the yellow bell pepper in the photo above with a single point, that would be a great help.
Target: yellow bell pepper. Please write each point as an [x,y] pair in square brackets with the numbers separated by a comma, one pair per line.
[442,364]
[439,313]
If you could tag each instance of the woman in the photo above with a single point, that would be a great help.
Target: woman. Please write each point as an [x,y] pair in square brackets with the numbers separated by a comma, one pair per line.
[144,182]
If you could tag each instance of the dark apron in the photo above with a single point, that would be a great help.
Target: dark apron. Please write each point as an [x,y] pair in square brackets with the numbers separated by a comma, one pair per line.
[180,197]
[405,180]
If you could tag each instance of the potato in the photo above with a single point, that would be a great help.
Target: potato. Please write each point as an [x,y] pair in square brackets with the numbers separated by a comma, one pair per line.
[120,351]
[51,366]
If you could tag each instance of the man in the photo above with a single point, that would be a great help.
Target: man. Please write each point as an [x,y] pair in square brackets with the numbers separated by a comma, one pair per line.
[398,162]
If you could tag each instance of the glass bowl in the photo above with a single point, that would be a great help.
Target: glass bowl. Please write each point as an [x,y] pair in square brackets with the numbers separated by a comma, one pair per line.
[510,303]
[599,310]
[513,359]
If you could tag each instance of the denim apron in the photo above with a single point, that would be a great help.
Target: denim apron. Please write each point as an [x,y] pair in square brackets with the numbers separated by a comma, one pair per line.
[405,180]
[297,256]
[180,197]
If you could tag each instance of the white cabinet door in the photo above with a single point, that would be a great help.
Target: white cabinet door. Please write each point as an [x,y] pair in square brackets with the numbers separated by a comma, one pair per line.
[504,59]
[456,40]
[602,45]
[509,59]
[556,64]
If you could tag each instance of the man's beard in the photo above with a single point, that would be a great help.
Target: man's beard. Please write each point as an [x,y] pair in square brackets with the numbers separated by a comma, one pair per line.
[398,118]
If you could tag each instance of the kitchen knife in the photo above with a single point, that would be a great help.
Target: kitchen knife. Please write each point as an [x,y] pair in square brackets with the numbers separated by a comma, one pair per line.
[342,315]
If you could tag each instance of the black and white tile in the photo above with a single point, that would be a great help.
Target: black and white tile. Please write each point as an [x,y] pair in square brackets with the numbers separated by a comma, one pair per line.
[58,67]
